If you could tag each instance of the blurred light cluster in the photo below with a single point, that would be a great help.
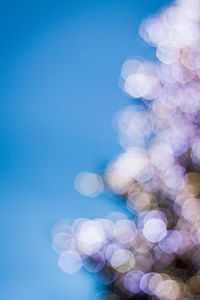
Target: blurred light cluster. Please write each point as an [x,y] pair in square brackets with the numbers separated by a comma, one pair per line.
[157,252]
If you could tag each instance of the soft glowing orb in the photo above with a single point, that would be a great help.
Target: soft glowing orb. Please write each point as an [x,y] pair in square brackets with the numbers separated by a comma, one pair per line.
[154,230]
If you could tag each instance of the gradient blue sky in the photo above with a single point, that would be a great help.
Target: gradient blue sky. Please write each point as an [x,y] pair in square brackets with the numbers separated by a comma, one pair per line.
[60,63]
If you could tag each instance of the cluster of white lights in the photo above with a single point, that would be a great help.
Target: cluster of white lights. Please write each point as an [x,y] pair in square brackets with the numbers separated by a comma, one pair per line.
[157,253]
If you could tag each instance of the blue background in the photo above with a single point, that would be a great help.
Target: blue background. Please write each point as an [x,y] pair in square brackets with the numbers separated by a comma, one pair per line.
[59,68]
